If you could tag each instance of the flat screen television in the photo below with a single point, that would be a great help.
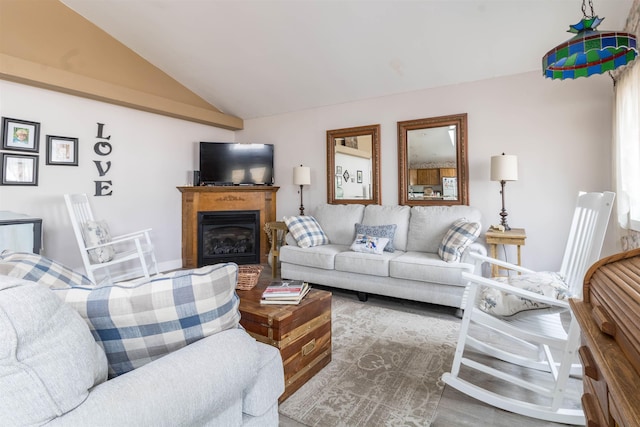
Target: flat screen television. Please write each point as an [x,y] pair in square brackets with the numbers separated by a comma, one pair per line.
[229,163]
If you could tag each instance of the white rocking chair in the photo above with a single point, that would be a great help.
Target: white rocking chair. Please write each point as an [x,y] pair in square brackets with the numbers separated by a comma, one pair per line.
[124,251]
[537,341]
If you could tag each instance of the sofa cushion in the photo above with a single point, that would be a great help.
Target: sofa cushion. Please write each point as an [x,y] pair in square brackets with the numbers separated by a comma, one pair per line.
[42,270]
[388,231]
[337,221]
[428,267]
[318,256]
[48,358]
[306,231]
[429,224]
[383,215]
[139,321]
[369,244]
[364,263]
[460,235]
[503,304]
[97,233]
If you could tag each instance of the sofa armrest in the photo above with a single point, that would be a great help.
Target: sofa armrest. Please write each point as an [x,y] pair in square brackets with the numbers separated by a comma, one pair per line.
[474,248]
[186,387]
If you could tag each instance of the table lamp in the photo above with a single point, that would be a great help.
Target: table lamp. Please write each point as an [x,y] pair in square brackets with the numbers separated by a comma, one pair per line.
[301,176]
[504,168]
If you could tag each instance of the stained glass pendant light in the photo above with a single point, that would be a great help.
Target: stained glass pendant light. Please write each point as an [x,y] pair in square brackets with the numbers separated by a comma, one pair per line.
[590,51]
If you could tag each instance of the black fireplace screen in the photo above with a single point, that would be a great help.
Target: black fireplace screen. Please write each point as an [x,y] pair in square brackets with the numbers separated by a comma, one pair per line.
[225,236]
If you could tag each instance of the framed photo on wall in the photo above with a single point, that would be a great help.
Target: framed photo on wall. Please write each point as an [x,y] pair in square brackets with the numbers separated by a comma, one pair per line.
[19,169]
[20,135]
[62,150]
[359,176]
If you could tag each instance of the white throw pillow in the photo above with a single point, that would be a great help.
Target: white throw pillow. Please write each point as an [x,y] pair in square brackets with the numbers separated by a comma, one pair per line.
[49,360]
[306,230]
[97,233]
[460,235]
[504,304]
[369,244]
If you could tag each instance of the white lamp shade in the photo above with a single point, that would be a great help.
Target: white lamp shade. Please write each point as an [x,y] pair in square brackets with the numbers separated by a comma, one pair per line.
[504,168]
[302,175]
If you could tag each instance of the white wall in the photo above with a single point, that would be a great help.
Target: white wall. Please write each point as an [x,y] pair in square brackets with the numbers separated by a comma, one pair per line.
[152,155]
[560,131]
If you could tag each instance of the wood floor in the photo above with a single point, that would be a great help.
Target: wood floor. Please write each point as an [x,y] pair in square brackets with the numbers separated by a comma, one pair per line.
[455,408]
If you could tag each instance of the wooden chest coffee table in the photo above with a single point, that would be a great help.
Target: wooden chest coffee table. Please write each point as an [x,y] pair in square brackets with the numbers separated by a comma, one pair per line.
[301,332]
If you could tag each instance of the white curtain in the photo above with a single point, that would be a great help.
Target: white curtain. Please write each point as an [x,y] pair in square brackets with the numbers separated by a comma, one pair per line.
[627,154]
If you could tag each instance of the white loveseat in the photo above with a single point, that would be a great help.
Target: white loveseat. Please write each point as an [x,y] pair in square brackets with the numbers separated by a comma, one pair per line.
[414,271]
[53,364]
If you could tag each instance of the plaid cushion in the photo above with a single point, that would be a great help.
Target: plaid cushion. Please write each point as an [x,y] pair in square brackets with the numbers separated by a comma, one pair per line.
[306,230]
[150,318]
[37,268]
[460,235]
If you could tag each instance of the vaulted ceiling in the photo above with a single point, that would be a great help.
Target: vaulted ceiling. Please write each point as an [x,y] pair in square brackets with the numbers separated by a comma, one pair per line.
[264,57]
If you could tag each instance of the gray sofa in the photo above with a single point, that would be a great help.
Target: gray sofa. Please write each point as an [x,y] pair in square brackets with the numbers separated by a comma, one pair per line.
[54,362]
[414,271]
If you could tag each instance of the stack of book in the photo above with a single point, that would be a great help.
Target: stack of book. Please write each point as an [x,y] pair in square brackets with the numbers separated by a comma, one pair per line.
[285,292]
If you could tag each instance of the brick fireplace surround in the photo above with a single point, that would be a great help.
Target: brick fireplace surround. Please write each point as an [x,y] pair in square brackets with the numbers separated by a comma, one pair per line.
[231,198]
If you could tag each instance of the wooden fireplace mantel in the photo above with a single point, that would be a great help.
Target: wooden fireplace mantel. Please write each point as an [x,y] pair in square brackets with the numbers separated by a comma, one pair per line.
[225,198]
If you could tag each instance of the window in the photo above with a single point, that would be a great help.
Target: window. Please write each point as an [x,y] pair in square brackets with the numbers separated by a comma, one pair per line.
[627,143]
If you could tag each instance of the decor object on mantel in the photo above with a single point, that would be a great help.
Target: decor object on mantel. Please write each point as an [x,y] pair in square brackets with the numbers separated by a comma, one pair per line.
[590,51]
[301,176]
[504,168]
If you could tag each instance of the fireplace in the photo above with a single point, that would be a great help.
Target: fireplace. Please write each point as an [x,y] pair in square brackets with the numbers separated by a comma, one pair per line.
[225,236]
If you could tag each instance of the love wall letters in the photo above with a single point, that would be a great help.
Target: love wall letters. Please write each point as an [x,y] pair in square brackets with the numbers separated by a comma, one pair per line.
[103,148]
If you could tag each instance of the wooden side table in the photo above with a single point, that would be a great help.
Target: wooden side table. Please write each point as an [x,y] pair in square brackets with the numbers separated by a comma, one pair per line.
[278,230]
[515,236]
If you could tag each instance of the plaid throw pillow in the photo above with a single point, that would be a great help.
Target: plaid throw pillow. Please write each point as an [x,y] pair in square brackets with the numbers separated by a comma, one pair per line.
[150,318]
[460,235]
[306,231]
[37,268]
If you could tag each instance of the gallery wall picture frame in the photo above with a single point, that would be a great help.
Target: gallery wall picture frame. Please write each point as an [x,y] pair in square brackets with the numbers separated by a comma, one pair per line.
[338,170]
[20,135]
[62,150]
[359,176]
[19,169]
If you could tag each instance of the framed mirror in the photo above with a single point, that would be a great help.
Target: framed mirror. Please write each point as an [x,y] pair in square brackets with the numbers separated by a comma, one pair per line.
[432,161]
[353,165]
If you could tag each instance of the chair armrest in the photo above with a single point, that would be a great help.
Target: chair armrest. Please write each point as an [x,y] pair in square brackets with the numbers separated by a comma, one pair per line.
[116,240]
[135,233]
[484,258]
[474,280]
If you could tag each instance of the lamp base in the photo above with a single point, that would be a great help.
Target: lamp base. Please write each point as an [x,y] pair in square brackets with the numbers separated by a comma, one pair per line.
[301,204]
[503,212]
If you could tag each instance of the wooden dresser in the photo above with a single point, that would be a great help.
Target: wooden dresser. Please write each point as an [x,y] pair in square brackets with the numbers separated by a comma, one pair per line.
[609,318]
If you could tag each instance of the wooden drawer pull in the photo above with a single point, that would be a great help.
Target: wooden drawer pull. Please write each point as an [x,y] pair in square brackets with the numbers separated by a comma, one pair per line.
[604,322]
[591,410]
[308,347]
[588,363]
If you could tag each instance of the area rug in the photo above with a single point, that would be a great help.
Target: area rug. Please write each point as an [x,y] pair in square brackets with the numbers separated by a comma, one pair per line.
[385,369]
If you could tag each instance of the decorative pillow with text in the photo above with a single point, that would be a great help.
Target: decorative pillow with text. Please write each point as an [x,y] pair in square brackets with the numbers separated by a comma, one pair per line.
[369,244]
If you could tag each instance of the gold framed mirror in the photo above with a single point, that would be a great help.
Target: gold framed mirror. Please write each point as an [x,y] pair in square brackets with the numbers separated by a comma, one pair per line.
[433,167]
[353,165]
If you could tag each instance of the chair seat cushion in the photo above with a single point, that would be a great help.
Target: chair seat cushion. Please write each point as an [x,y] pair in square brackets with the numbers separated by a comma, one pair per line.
[48,358]
[504,304]
[142,320]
